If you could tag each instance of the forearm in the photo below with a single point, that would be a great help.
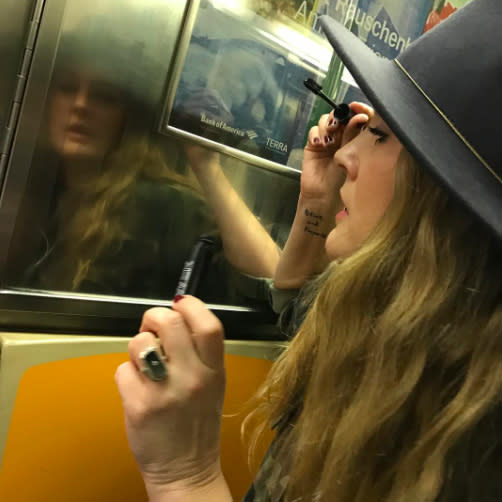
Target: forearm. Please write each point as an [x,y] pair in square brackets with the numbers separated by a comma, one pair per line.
[304,254]
[247,245]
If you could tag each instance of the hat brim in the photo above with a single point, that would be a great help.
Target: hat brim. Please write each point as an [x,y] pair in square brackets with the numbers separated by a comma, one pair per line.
[419,126]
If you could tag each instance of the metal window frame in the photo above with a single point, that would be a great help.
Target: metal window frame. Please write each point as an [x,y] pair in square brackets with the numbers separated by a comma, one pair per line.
[7,138]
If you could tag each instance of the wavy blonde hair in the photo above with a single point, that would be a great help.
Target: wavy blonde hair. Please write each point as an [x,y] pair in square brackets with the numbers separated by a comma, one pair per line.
[97,225]
[398,363]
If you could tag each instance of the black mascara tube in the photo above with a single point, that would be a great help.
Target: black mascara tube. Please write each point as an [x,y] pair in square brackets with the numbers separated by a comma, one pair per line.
[342,112]
[195,267]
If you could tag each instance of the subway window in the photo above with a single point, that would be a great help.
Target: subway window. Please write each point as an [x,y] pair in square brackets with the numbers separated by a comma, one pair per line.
[112,204]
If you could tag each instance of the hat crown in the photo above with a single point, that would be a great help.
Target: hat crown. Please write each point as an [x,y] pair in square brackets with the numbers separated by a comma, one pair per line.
[458,66]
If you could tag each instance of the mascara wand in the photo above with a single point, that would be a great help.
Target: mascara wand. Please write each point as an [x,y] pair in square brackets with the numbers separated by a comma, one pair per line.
[342,112]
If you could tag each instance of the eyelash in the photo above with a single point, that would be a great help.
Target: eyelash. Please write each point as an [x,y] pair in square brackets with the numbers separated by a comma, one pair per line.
[381,137]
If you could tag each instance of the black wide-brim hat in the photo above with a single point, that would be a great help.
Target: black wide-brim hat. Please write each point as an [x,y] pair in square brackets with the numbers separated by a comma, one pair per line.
[442,97]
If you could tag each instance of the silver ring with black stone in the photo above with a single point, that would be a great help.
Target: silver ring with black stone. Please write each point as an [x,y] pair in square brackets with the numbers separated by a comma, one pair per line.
[153,364]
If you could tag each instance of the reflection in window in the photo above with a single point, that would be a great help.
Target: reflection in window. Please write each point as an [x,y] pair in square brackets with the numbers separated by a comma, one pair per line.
[110,207]
[117,217]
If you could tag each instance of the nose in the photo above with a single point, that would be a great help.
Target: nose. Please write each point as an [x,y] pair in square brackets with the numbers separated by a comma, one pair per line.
[346,158]
[82,98]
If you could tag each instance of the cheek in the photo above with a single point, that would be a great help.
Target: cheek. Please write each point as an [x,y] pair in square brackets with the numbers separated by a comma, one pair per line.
[370,200]
[111,124]
[373,196]
[59,114]
[374,200]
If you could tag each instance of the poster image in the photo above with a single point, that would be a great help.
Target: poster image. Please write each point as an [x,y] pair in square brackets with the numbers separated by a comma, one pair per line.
[441,10]
[242,80]
[387,26]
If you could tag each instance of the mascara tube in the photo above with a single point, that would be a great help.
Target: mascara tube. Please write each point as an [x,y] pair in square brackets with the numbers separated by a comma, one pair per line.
[195,267]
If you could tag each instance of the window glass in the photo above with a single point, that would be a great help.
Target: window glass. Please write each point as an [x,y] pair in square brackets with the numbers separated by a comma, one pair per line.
[112,207]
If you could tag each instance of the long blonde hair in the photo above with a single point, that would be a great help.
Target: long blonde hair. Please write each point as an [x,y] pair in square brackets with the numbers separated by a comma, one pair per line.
[97,225]
[399,360]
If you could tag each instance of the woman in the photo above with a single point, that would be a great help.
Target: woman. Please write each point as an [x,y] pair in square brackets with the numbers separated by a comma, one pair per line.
[123,213]
[112,186]
[391,389]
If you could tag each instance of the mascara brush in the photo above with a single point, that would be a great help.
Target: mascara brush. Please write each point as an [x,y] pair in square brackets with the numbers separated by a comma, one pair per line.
[342,112]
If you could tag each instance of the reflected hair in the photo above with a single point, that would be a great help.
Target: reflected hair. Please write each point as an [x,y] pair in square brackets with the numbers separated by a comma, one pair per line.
[396,371]
[97,226]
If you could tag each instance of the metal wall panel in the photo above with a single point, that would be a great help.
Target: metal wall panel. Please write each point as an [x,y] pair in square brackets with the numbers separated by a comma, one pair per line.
[15,18]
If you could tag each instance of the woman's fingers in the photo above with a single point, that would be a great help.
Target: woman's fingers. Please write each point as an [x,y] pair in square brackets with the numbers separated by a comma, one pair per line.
[189,333]
[330,133]
[363,113]
[319,138]
[324,134]
[129,382]
[138,344]
[174,335]
[353,128]
[358,107]
[206,329]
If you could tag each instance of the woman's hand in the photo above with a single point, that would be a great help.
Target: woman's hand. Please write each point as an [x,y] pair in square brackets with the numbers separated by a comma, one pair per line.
[203,161]
[173,426]
[304,254]
[321,179]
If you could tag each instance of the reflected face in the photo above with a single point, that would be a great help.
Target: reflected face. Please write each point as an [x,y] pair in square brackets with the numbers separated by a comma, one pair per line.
[86,117]
[370,161]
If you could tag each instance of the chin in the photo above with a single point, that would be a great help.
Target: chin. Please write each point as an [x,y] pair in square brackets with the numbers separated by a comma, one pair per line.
[80,153]
[338,245]
[331,246]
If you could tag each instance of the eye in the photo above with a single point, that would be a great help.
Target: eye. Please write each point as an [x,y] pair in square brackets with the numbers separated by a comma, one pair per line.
[105,94]
[67,86]
[381,135]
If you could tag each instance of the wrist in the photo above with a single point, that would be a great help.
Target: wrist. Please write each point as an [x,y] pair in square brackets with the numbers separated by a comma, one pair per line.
[317,217]
[207,171]
[325,206]
[213,489]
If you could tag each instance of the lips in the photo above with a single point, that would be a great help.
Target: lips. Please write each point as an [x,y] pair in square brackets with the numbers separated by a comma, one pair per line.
[80,129]
[341,215]
[345,208]
[344,212]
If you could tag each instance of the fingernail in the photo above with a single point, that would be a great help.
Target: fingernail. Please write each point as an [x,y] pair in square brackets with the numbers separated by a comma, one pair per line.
[316,140]
[177,298]
[333,122]
[326,139]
